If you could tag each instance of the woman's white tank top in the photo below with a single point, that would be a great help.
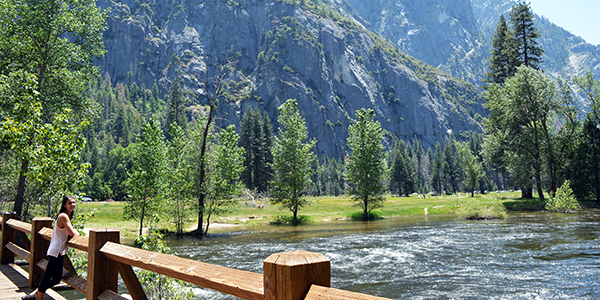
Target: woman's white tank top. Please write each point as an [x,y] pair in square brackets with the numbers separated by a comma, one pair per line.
[58,242]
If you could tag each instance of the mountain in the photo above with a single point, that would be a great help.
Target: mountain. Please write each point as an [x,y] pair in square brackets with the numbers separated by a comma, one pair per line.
[444,34]
[320,52]
[565,54]
[455,35]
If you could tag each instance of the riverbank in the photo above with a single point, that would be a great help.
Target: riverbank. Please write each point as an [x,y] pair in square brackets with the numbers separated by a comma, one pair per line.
[324,209]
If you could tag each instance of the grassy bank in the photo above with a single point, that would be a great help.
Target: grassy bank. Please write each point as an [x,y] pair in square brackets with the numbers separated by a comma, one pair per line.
[324,209]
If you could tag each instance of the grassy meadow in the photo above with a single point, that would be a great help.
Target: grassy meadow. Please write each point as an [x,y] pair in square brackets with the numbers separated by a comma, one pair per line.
[323,209]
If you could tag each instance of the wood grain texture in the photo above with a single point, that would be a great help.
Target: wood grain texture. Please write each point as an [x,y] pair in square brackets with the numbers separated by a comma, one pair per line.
[103,274]
[131,282]
[13,284]
[317,292]
[25,239]
[20,226]
[8,235]
[289,275]
[243,284]
[110,295]
[22,253]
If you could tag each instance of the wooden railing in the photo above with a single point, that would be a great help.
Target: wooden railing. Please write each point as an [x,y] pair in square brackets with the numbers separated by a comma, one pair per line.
[287,276]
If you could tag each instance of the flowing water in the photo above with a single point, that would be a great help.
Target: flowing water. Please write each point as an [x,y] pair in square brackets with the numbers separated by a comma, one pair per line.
[526,256]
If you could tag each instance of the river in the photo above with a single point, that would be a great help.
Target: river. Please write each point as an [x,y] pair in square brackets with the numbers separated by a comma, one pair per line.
[525,256]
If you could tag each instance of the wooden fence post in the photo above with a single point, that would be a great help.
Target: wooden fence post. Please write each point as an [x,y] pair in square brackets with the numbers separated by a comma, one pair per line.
[39,247]
[289,275]
[8,235]
[102,272]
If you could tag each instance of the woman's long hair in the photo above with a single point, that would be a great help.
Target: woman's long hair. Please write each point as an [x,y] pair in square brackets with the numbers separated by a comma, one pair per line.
[63,209]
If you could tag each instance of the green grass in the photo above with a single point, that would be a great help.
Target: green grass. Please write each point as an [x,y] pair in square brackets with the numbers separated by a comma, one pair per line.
[324,209]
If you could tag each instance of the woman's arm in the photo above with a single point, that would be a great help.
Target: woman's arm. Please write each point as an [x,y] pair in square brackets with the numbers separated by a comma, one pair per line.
[63,221]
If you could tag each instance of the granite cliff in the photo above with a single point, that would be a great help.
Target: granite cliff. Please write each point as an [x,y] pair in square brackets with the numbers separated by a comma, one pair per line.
[322,55]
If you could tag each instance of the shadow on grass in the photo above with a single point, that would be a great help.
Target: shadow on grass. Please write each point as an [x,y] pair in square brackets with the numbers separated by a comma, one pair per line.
[289,220]
[360,216]
[523,204]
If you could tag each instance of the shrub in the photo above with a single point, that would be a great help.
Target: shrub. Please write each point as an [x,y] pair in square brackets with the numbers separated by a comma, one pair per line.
[472,209]
[289,220]
[564,200]
[359,216]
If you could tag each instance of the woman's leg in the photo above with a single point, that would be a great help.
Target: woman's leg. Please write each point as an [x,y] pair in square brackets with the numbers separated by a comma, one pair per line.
[52,275]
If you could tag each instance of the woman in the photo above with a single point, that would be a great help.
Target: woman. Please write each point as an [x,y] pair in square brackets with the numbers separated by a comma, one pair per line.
[63,230]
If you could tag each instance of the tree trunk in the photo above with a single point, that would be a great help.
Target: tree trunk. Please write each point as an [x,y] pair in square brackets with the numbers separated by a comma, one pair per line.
[296,217]
[207,224]
[538,184]
[20,198]
[526,192]
[202,197]
[142,221]
[366,210]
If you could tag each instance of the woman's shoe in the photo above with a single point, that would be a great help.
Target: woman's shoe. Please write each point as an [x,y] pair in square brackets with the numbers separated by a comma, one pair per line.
[31,296]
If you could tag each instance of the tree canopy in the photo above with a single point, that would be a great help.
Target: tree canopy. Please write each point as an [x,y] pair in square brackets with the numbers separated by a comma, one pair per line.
[366,170]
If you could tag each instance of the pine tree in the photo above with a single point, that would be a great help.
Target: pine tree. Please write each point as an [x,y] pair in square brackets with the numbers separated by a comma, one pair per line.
[256,137]
[499,59]
[437,182]
[526,34]
[176,112]
[450,165]
[402,177]
[514,45]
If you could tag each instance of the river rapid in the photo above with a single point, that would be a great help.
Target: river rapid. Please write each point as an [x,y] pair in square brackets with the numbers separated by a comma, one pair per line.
[525,256]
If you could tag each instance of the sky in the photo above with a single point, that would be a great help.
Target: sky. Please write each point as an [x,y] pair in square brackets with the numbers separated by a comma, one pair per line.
[580,17]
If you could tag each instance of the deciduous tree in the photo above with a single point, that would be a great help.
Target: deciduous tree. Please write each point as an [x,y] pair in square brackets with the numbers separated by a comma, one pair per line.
[366,170]
[292,159]
[147,179]
[57,41]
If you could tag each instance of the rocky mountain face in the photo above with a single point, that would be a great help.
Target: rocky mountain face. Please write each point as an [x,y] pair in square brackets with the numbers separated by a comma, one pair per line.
[323,56]
[442,33]
[565,54]
[455,36]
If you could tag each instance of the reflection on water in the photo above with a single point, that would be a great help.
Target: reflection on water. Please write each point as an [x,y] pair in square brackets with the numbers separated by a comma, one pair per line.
[526,256]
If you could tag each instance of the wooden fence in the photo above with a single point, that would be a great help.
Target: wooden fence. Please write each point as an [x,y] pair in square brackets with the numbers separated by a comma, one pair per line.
[287,276]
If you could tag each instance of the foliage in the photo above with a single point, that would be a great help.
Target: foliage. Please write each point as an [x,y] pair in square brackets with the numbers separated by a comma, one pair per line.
[179,178]
[177,109]
[57,41]
[256,137]
[52,151]
[520,129]
[360,216]
[564,200]
[585,172]
[515,45]
[452,173]
[292,158]
[289,220]
[147,179]
[365,169]
[402,172]
[471,166]
[225,163]
[159,286]
[500,64]
[529,50]
[437,182]
[80,220]
[475,209]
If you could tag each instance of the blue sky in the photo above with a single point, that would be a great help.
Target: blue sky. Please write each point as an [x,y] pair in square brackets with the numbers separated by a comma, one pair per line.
[580,17]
